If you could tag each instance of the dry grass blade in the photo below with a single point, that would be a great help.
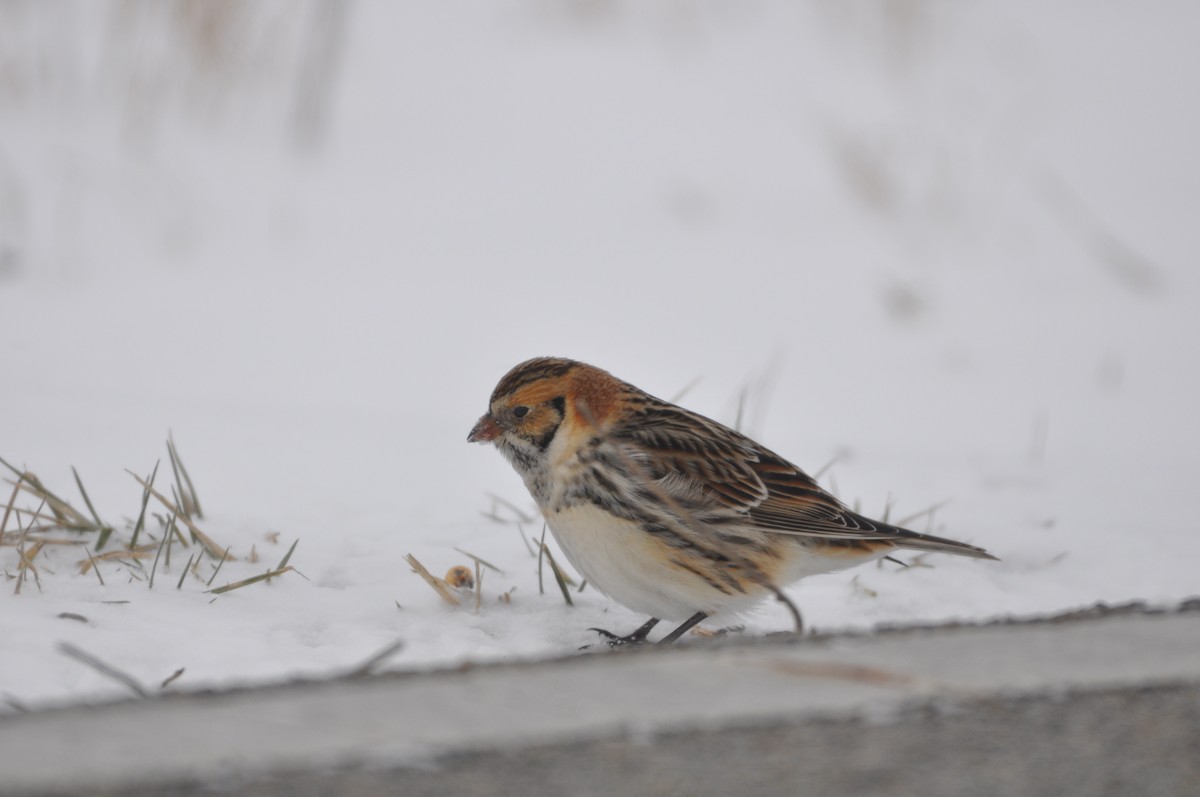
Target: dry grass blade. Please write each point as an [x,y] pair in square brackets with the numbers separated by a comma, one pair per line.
[92,565]
[165,540]
[821,471]
[142,552]
[283,562]
[66,648]
[245,582]
[187,490]
[479,561]
[683,391]
[86,500]
[375,659]
[186,568]
[560,577]
[65,515]
[141,521]
[216,570]
[25,563]
[438,585]
[743,395]
[12,499]
[541,555]
[904,521]
[213,549]
[521,515]
[478,585]
[1127,265]
[524,539]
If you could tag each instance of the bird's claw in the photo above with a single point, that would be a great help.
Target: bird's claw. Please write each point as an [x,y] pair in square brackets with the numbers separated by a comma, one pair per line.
[615,641]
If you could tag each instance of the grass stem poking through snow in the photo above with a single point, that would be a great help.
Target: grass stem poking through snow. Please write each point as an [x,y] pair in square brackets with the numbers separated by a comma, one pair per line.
[197,534]
[524,539]
[245,582]
[438,585]
[283,562]
[67,649]
[541,555]
[141,521]
[559,576]
[92,562]
[26,556]
[165,540]
[105,529]
[224,556]
[183,575]
[187,490]
[478,584]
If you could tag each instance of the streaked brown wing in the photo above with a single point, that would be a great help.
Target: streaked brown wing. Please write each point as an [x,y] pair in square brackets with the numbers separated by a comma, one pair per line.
[714,470]
[717,476]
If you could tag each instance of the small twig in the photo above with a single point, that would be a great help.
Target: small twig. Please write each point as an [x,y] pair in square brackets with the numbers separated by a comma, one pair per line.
[375,659]
[171,678]
[66,648]
[479,561]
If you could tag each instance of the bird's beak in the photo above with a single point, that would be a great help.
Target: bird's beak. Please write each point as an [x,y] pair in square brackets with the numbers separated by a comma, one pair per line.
[485,431]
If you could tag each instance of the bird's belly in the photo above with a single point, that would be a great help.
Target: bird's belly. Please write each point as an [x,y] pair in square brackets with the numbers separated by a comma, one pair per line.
[636,568]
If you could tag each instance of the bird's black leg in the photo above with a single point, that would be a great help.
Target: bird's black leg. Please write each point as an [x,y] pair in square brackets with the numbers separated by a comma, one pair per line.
[683,628]
[636,638]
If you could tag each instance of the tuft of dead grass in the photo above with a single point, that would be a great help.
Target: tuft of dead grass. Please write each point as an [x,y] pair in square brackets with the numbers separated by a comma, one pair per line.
[36,518]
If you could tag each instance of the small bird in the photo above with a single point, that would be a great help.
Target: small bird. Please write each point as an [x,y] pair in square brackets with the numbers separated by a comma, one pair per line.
[665,511]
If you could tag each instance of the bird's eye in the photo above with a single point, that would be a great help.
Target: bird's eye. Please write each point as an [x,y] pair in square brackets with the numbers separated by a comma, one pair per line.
[520,412]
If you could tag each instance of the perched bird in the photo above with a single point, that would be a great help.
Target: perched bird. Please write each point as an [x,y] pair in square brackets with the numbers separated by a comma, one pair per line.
[666,511]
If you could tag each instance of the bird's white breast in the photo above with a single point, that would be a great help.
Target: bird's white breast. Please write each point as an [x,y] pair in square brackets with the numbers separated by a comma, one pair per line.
[633,567]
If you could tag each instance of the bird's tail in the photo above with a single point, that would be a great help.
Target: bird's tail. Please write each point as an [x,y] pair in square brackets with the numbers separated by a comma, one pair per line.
[904,538]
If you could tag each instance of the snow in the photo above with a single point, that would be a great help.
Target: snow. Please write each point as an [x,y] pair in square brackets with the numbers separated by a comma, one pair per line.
[949,246]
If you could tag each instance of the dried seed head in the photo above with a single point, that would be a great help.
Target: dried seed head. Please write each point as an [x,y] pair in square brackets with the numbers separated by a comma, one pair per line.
[460,576]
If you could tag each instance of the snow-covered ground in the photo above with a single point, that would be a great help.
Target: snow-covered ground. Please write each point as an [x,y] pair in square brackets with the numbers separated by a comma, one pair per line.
[951,246]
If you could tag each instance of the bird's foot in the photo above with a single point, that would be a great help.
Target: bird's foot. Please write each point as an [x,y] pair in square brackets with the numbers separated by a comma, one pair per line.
[636,638]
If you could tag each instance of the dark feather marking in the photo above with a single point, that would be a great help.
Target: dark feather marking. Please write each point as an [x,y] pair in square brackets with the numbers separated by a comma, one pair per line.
[532,371]
[712,582]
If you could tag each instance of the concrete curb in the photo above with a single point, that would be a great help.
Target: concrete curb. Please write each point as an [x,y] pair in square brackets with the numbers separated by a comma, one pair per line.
[1099,705]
